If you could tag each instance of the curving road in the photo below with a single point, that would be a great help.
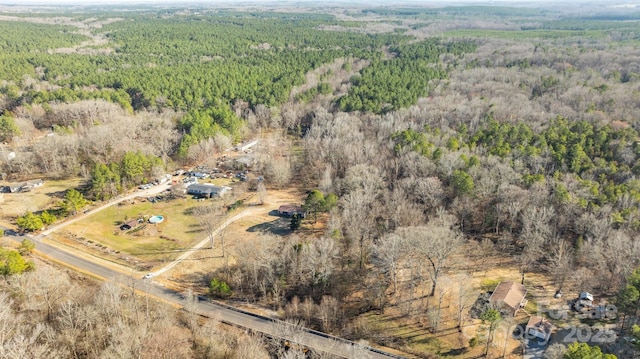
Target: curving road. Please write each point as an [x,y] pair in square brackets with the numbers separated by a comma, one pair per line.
[227,314]
[306,337]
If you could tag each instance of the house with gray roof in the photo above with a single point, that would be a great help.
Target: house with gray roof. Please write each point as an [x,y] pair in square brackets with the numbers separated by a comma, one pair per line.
[206,190]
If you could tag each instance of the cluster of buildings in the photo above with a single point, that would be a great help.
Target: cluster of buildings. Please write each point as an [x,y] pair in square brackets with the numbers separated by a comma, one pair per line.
[21,186]
[509,297]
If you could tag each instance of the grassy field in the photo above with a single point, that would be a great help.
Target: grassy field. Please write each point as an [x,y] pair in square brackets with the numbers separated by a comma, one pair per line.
[179,230]
[45,197]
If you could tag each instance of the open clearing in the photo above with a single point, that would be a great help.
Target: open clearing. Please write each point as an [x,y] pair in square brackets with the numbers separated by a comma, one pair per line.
[195,272]
[178,230]
[149,246]
[40,198]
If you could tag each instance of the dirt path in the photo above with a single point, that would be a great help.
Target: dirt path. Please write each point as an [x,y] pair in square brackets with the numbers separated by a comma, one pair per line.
[244,213]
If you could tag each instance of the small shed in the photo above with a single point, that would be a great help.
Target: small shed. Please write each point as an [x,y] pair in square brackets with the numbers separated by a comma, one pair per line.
[584,303]
[509,297]
[540,328]
[586,296]
[132,223]
[34,183]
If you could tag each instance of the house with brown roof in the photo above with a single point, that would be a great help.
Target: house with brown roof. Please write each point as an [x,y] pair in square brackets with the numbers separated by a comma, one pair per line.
[508,297]
[291,209]
[538,327]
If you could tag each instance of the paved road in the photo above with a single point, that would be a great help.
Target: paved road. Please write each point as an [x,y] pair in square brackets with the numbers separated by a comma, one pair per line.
[306,337]
[303,336]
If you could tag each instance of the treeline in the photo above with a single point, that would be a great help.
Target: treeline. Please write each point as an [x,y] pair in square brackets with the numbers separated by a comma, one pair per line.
[68,95]
[107,180]
[604,160]
[201,125]
[593,151]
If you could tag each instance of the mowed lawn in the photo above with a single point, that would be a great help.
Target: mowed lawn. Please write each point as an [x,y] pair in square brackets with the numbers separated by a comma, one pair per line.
[179,230]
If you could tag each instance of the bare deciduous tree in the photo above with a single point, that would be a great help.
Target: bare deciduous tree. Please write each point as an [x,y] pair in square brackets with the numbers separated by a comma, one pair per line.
[464,295]
[358,215]
[261,189]
[435,242]
[329,313]
[560,261]
[388,255]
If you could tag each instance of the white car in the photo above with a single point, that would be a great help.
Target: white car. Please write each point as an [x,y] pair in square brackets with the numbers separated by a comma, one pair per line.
[147,276]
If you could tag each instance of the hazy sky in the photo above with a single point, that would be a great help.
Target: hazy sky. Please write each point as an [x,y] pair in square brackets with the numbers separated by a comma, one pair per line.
[312,2]
[600,4]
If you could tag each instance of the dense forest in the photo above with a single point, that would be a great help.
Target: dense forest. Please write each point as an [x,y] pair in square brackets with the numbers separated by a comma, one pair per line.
[429,139]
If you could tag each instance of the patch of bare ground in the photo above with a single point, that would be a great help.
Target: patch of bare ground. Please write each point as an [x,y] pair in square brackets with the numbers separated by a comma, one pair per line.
[336,74]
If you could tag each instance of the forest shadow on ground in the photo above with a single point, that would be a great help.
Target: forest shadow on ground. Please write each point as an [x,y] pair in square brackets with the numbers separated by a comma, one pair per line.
[280,226]
[57,194]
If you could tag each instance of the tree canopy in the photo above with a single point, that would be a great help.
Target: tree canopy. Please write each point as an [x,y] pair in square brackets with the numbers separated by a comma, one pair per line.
[585,351]
[11,262]
[29,222]
[73,202]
